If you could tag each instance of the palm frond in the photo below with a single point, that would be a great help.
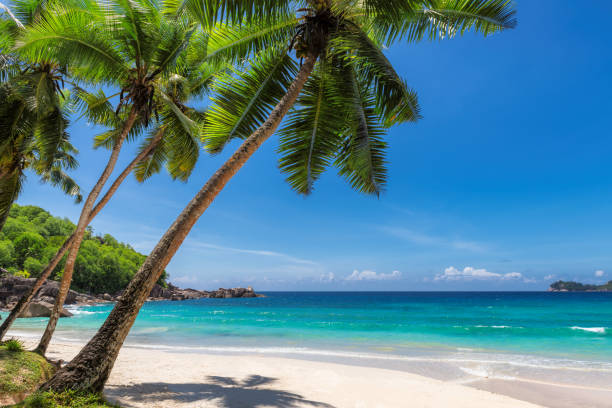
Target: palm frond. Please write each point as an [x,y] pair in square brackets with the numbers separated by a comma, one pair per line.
[58,178]
[236,42]
[397,103]
[361,160]
[182,148]
[154,162]
[311,135]
[10,187]
[243,101]
[439,19]
[208,12]
[7,10]
[74,38]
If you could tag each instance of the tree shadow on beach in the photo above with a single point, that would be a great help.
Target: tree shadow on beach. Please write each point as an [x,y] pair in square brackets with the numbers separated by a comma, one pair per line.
[222,391]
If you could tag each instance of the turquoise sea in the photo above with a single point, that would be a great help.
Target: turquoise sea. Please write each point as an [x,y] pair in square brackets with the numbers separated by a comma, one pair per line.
[557,337]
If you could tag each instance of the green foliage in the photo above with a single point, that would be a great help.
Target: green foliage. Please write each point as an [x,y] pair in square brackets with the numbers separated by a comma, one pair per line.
[32,236]
[22,371]
[22,274]
[14,345]
[33,266]
[7,252]
[28,244]
[353,95]
[571,286]
[66,399]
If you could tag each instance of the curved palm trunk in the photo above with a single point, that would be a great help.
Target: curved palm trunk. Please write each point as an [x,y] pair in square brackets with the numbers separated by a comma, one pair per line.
[30,293]
[79,234]
[90,369]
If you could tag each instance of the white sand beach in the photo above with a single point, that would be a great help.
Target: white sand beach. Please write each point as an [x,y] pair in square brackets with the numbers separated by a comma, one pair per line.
[156,379]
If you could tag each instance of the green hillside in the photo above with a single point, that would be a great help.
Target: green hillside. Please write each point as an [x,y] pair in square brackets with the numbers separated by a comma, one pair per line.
[31,236]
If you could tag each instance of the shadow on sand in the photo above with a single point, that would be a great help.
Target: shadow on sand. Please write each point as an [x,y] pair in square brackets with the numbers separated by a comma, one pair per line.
[220,391]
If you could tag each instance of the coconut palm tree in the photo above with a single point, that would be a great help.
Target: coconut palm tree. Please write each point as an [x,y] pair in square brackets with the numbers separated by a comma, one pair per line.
[343,76]
[172,141]
[33,122]
[139,49]
[26,130]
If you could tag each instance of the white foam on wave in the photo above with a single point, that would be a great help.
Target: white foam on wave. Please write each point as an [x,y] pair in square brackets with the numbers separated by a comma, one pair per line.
[600,330]
[473,358]
[82,312]
[150,330]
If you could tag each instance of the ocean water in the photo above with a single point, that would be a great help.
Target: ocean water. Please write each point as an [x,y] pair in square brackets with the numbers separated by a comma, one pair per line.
[551,337]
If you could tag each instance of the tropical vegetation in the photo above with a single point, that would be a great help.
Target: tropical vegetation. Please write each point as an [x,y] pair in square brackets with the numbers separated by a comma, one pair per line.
[317,67]
[32,236]
[34,109]
[21,371]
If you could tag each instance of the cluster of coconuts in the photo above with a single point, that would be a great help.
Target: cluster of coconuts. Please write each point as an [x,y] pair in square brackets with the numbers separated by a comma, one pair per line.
[301,48]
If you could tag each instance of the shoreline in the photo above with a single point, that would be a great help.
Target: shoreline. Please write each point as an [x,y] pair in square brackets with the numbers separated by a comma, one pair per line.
[154,377]
[143,378]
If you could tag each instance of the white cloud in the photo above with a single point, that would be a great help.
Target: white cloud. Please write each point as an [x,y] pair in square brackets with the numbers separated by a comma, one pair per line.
[371,275]
[599,273]
[549,277]
[327,277]
[471,273]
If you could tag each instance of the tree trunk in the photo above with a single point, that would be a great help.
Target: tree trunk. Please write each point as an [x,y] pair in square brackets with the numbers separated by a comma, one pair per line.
[31,293]
[79,233]
[90,369]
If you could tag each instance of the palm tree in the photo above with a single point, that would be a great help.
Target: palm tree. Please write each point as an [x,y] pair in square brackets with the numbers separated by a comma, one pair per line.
[138,48]
[26,131]
[33,122]
[343,68]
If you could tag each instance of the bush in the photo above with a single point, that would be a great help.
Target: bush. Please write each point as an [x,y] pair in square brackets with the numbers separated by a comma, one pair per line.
[22,274]
[67,399]
[7,253]
[34,266]
[14,345]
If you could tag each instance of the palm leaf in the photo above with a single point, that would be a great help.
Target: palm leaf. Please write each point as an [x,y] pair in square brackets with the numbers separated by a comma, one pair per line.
[396,102]
[154,162]
[438,19]
[311,134]
[75,38]
[243,101]
[361,161]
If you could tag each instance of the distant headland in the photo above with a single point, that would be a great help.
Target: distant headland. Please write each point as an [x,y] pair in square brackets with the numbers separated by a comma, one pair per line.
[562,286]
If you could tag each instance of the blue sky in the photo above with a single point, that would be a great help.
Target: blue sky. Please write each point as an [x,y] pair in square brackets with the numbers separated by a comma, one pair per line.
[505,184]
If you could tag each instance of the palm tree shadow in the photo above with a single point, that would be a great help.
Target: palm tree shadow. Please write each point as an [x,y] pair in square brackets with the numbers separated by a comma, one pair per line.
[224,391]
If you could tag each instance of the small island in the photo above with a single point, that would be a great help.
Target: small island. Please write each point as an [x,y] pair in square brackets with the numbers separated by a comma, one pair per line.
[569,286]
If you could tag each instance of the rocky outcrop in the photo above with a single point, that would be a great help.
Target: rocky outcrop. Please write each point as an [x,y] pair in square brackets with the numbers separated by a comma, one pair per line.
[42,309]
[13,287]
[174,293]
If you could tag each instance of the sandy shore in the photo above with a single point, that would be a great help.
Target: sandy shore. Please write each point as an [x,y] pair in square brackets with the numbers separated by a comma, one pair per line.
[156,379]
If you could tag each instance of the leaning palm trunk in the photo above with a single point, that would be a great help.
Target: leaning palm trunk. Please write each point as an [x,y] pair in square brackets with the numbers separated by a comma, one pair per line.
[79,234]
[31,292]
[90,369]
